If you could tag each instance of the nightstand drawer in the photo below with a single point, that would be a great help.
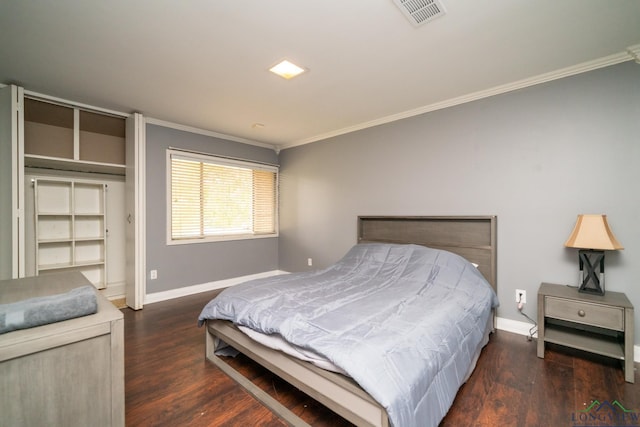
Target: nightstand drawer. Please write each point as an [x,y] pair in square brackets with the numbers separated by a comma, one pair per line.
[602,316]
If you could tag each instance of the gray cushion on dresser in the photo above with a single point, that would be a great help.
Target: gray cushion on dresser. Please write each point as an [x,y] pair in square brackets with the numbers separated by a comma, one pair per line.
[43,310]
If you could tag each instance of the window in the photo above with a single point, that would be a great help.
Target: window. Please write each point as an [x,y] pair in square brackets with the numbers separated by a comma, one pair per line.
[213,198]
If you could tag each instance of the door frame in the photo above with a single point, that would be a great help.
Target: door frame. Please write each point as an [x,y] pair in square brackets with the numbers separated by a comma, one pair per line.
[135,195]
[12,170]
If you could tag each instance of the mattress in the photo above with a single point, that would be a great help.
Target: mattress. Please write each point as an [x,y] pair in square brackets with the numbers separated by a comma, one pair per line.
[276,342]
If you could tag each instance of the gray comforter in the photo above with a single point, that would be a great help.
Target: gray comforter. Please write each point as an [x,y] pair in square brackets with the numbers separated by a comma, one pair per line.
[403,320]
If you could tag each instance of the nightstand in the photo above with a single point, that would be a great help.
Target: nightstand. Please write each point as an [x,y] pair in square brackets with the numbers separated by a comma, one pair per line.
[598,324]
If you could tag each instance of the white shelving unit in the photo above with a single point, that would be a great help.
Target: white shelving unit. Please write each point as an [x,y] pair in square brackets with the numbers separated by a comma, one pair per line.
[71,228]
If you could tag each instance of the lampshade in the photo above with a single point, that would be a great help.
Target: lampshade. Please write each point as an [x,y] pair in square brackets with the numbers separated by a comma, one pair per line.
[592,232]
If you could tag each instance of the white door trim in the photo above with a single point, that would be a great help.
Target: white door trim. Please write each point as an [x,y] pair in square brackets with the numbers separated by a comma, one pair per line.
[136,285]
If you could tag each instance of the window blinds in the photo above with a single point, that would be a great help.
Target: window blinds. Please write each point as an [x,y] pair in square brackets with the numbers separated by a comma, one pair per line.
[213,197]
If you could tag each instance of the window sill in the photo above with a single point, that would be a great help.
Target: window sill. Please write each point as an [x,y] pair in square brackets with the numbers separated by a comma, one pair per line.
[215,239]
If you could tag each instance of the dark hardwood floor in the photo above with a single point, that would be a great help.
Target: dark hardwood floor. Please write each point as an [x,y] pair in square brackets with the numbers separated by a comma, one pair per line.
[168,382]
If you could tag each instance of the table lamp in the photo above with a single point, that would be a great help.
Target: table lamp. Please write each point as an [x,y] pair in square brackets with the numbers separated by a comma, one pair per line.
[592,236]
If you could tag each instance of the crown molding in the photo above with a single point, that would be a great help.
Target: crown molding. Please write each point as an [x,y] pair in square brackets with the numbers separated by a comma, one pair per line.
[634,51]
[631,53]
[158,122]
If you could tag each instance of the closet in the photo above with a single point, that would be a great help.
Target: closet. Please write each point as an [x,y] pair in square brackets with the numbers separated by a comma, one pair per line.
[72,192]
[74,171]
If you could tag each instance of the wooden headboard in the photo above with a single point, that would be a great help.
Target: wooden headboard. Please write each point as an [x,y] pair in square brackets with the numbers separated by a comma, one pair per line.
[473,237]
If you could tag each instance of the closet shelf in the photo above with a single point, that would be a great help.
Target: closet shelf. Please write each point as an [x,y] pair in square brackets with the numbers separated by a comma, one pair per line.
[75,239]
[55,240]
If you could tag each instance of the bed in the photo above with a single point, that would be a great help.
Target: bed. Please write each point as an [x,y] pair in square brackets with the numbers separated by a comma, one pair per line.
[408,247]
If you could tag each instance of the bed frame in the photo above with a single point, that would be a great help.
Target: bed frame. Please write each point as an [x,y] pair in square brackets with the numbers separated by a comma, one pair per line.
[473,237]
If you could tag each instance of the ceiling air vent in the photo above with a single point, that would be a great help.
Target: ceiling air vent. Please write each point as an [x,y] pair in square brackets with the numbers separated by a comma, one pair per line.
[421,11]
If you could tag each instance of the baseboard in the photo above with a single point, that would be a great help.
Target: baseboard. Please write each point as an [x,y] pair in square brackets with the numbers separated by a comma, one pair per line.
[205,287]
[522,328]
[515,326]
[508,325]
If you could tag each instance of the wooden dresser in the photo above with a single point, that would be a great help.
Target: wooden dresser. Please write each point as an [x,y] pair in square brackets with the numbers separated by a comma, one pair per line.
[69,373]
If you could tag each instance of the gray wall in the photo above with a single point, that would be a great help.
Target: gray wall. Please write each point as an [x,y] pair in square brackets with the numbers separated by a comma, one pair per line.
[193,264]
[535,157]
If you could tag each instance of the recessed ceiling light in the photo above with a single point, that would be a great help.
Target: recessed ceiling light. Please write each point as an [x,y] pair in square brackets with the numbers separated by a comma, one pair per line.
[287,70]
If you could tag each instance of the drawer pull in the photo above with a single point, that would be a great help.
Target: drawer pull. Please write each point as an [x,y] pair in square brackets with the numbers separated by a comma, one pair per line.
[581,313]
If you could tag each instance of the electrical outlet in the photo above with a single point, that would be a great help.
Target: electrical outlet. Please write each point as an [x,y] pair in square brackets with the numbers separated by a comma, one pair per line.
[521,296]
[309,262]
[153,274]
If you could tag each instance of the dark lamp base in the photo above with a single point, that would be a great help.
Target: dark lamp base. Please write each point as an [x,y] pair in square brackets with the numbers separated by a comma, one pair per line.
[591,271]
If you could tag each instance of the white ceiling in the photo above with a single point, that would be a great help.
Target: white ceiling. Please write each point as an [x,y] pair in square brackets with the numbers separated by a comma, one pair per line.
[204,63]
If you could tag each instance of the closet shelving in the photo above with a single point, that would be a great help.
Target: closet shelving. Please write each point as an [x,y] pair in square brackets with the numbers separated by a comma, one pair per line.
[71,227]
[69,138]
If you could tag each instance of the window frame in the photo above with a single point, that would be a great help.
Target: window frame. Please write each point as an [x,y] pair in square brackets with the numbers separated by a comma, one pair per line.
[221,161]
